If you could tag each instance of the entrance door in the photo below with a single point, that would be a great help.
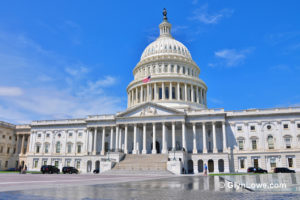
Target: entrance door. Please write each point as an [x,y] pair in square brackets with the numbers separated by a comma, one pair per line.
[210,166]
[255,163]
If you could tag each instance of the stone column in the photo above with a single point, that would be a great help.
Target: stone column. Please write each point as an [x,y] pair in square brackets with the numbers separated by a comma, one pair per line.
[144,151]
[173,137]
[95,141]
[154,151]
[28,143]
[195,151]
[163,90]
[117,138]
[103,141]
[192,94]
[185,92]
[141,95]
[215,150]
[111,145]
[22,145]
[155,92]
[126,139]
[224,137]
[147,93]
[164,139]
[136,95]
[204,138]
[178,91]
[197,94]
[87,141]
[183,136]
[120,138]
[170,91]
[17,146]
[134,139]
[150,92]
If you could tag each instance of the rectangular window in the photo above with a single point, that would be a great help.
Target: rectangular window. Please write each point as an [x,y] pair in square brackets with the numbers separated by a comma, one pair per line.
[36,163]
[56,163]
[14,150]
[78,164]
[79,148]
[160,93]
[239,128]
[1,149]
[6,163]
[68,163]
[48,135]
[285,126]
[38,149]
[254,146]
[39,135]
[273,162]
[80,134]
[242,163]
[70,134]
[241,144]
[167,92]
[290,161]
[8,150]
[46,148]
[288,143]
[45,162]
[298,125]
[173,93]
[252,128]
[69,148]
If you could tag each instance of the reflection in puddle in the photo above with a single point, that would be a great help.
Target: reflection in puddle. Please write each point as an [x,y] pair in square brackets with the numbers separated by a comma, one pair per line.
[188,187]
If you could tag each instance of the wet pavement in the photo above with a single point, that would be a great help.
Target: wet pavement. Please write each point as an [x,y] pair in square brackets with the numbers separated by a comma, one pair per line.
[184,187]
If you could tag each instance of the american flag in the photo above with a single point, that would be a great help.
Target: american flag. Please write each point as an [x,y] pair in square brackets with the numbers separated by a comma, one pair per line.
[146,80]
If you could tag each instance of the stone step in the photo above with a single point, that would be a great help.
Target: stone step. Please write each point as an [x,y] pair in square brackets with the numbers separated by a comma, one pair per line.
[143,163]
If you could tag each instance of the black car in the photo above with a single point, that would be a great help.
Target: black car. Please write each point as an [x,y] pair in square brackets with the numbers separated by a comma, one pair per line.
[69,170]
[256,170]
[283,170]
[49,169]
[96,171]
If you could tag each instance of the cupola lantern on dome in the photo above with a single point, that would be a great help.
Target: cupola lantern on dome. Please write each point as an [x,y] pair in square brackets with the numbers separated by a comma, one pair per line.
[165,26]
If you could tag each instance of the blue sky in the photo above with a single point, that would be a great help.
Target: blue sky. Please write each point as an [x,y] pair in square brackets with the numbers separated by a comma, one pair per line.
[69,59]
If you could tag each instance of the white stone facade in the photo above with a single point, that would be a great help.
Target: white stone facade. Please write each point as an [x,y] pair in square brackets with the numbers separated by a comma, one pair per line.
[175,121]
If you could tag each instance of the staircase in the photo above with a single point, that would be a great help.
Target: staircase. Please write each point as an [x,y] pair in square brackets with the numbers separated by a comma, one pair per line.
[154,164]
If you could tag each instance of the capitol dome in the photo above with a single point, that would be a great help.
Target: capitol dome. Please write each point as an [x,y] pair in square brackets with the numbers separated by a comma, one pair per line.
[166,46]
[167,75]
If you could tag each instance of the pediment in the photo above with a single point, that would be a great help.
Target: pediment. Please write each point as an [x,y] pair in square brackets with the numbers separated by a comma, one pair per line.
[149,109]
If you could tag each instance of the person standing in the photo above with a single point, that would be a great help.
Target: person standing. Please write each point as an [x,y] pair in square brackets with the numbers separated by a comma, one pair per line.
[205,169]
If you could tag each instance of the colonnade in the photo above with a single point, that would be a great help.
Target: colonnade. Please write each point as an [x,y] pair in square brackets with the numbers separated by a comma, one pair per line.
[156,91]
[120,131]
[21,137]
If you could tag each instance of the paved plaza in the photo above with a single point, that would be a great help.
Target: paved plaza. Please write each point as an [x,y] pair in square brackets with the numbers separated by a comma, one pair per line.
[38,186]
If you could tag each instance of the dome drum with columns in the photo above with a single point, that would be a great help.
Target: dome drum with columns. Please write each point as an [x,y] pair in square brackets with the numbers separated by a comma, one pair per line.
[174,75]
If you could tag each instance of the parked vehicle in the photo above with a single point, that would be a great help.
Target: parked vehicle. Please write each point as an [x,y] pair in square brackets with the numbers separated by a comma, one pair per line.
[256,170]
[283,170]
[96,171]
[49,169]
[69,170]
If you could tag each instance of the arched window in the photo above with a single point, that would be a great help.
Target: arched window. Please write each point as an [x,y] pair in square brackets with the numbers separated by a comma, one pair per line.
[270,142]
[58,147]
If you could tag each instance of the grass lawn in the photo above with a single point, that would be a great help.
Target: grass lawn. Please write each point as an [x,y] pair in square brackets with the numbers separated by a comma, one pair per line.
[234,174]
[5,172]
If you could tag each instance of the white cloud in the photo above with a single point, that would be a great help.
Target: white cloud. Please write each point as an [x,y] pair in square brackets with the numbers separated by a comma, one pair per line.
[232,57]
[10,91]
[202,15]
[76,71]
[52,86]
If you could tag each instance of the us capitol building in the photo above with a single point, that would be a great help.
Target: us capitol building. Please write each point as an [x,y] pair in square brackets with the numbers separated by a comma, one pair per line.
[166,127]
